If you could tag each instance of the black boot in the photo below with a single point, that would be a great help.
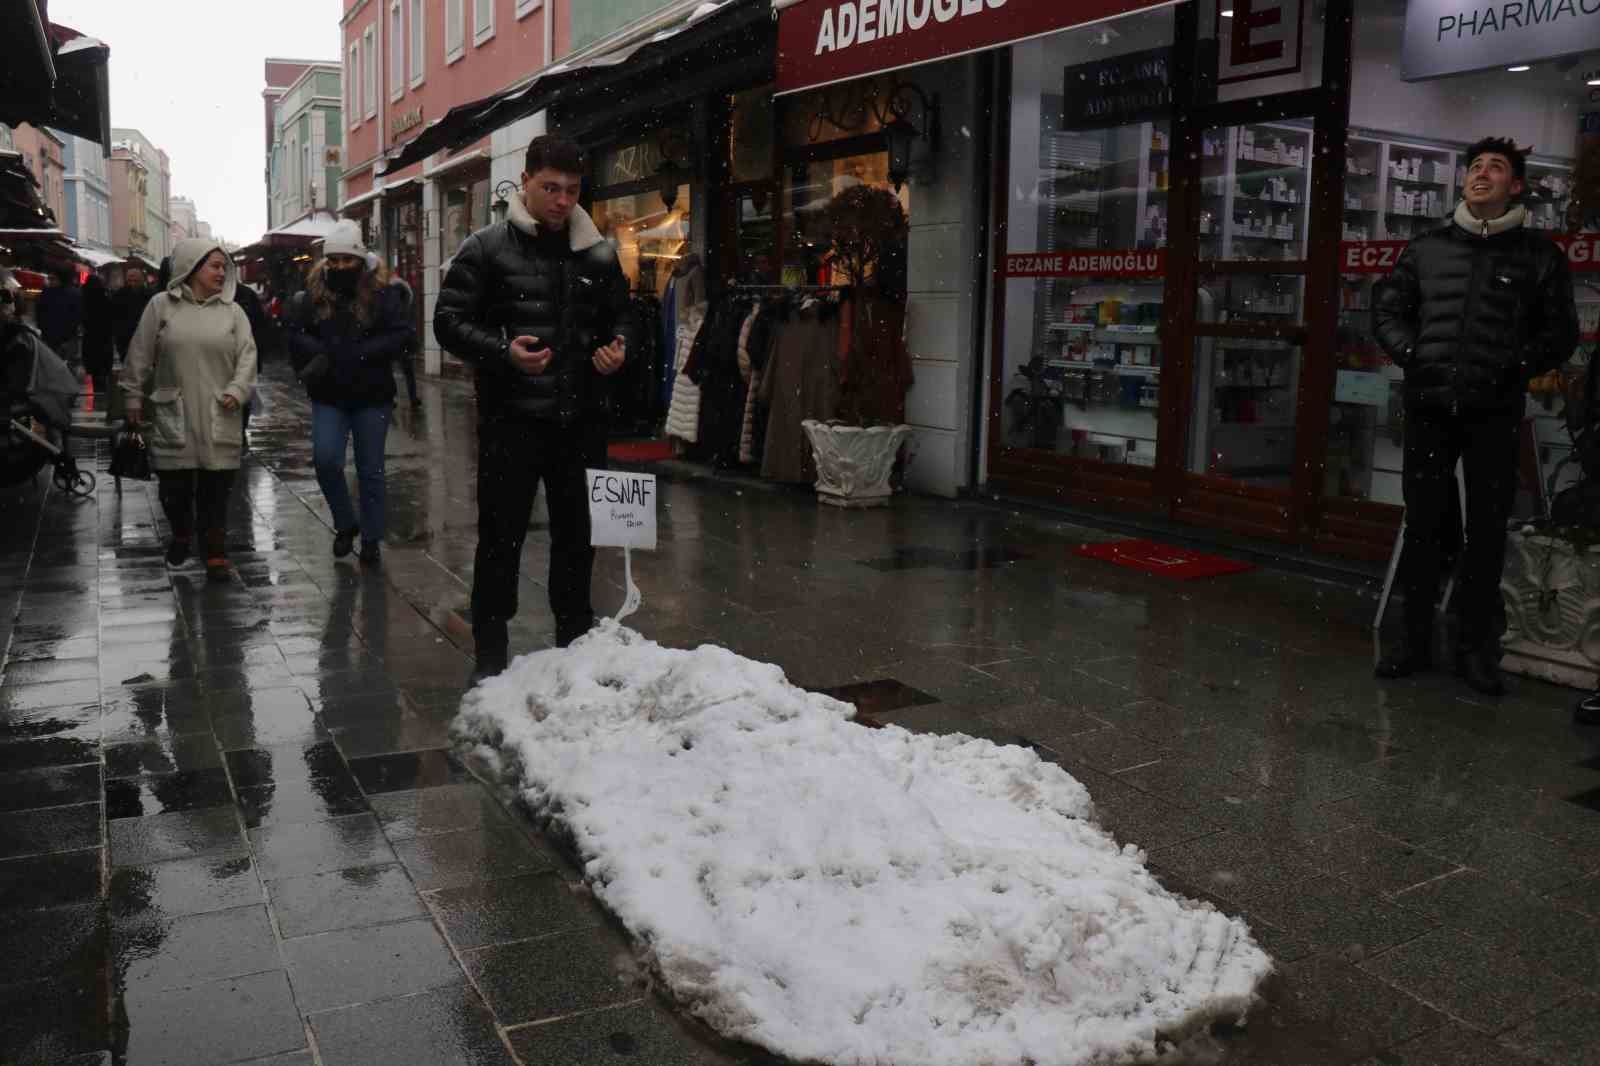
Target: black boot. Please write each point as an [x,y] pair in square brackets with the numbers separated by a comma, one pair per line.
[1411,655]
[1480,669]
[371,553]
[492,643]
[178,551]
[1587,712]
[343,541]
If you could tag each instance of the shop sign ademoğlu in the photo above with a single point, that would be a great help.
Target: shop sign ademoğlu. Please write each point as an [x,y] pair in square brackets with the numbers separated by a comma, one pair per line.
[825,41]
[1456,36]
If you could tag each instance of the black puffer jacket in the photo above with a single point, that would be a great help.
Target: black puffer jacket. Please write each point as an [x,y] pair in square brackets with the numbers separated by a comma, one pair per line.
[502,285]
[359,369]
[1471,314]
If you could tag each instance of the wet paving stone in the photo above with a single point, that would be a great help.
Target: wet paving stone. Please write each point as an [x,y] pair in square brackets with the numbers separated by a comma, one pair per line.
[254,767]
[155,952]
[148,794]
[510,909]
[51,786]
[220,1022]
[180,835]
[443,1025]
[49,829]
[50,880]
[70,941]
[50,1021]
[408,770]
[352,966]
[168,754]
[876,697]
[533,980]
[343,899]
[444,809]
[278,720]
[30,651]
[46,671]
[180,887]
[74,723]
[84,693]
[444,859]
[635,1032]
[399,735]
[1481,985]
[293,802]
[320,847]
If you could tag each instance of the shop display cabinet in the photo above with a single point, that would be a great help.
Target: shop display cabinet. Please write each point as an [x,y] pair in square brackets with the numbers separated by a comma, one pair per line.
[1096,369]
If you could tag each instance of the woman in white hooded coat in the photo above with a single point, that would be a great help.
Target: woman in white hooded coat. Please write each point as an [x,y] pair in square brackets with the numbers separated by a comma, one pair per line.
[192,362]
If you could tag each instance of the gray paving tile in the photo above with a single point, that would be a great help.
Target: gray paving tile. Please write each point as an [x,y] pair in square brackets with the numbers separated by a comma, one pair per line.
[343,899]
[443,859]
[1235,866]
[1473,982]
[443,1025]
[634,1032]
[1337,918]
[509,909]
[426,811]
[180,835]
[49,829]
[352,966]
[1376,861]
[533,980]
[1450,1045]
[320,847]
[1514,855]
[184,886]
[224,1021]
[1568,1033]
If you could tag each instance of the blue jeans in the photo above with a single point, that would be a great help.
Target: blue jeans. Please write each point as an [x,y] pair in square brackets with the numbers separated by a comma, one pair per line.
[330,427]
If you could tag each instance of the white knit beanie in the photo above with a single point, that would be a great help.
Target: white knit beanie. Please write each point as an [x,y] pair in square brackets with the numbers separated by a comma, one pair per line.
[344,239]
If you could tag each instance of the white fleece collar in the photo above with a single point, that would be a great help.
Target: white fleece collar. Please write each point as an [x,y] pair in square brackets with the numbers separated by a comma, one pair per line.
[1480,227]
[580,227]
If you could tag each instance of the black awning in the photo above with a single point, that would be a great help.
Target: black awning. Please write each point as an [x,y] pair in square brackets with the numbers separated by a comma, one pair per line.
[27,62]
[731,37]
[82,100]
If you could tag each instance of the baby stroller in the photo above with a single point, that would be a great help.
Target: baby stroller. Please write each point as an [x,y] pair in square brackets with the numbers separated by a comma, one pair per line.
[36,394]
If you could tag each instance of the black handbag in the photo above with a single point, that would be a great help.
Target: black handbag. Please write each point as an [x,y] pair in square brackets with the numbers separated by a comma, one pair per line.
[130,457]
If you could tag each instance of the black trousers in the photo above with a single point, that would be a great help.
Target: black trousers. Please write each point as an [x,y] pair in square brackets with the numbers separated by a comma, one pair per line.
[1487,445]
[190,494]
[513,458]
[408,367]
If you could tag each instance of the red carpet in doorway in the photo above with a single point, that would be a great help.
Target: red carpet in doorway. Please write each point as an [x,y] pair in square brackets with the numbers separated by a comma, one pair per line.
[1163,559]
[639,451]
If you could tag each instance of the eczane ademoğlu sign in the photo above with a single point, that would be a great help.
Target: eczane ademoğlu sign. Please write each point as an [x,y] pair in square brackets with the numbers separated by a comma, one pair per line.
[622,509]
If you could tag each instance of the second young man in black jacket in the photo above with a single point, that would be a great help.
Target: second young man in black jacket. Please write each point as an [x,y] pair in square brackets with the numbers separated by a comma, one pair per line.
[539,304]
[1472,311]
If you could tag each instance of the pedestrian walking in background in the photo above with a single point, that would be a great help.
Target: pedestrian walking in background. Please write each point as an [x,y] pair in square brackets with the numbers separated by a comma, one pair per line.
[1472,311]
[250,304]
[59,314]
[98,336]
[344,332]
[127,308]
[408,358]
[539,304]
[192,363]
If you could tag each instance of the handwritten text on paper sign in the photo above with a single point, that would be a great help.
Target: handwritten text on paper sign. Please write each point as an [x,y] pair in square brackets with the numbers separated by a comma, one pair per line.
[622,509]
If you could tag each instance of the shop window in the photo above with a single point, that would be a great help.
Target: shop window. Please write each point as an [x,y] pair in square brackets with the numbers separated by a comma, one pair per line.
[1403,175]
[466,210]
[808,258]
[650,237]
[837,112]
[1085,271]
[750,136]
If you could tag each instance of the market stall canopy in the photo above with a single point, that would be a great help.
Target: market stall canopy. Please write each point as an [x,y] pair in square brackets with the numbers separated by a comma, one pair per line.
[307,231]
[53,75]
[21,206]
[94,258]
[667,59]
[825,41]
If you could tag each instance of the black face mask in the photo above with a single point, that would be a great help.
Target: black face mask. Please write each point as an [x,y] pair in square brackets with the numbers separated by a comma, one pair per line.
[343,282]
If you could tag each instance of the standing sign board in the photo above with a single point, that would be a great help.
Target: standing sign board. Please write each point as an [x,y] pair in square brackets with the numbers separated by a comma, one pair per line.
[825,41]
[1455,36]
[622,514]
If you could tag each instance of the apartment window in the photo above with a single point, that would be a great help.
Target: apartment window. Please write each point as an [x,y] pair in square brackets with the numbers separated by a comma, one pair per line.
[455,19]
[482,21]
[352,85]
[308,188]
[418,25]
[397,52]
[526,7]
[369,50]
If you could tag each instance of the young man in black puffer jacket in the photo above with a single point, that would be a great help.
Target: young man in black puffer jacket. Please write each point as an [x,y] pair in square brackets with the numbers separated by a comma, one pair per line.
[1471,313]
[539,304]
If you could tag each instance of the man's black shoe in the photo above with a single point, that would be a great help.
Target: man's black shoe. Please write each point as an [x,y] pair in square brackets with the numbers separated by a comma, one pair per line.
[371,553]
[343,541]
[1587,712]
[178,551]
[491,663]
[1480,669]
[1404,659]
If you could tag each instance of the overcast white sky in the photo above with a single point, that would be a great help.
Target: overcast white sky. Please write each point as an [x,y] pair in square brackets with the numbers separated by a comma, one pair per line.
[188,73]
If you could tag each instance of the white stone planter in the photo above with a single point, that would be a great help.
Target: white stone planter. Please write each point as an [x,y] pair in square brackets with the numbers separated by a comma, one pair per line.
[1552,596]
[854,464]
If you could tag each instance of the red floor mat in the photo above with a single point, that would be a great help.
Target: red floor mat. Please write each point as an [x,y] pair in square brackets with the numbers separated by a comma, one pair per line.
[1163,559]
[639,451]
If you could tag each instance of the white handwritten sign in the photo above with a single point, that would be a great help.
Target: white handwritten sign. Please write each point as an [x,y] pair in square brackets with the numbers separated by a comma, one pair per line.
[622,509]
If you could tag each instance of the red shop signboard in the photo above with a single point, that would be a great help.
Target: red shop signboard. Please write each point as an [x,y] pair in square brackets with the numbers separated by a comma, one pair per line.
[1379,257]
[824,41]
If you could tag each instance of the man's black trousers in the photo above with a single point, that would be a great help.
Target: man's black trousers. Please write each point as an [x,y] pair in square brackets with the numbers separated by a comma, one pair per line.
[513,458]
[1487,446]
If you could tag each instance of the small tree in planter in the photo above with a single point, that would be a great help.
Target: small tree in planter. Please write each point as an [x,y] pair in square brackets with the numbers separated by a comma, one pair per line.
[856,454]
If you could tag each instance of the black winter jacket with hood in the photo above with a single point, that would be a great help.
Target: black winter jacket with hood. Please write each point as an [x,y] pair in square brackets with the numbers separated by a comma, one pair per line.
[502,285]
[359,368]
[1474,310]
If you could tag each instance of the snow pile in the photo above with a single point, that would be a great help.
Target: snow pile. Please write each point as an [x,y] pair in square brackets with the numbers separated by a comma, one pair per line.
[842,894]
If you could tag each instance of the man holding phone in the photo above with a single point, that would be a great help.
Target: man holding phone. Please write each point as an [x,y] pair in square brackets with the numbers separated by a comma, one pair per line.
[539,304]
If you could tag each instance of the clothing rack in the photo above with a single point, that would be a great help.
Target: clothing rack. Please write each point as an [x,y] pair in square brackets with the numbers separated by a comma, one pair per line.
[789,288]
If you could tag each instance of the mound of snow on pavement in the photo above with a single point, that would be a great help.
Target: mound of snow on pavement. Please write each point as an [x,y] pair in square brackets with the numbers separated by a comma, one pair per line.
[842,894]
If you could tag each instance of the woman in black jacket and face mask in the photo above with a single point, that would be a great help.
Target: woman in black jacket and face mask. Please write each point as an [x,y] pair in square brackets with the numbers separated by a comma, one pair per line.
[344,333]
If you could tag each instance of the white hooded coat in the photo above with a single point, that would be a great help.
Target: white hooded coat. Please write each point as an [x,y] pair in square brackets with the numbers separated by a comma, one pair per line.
[185,357]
